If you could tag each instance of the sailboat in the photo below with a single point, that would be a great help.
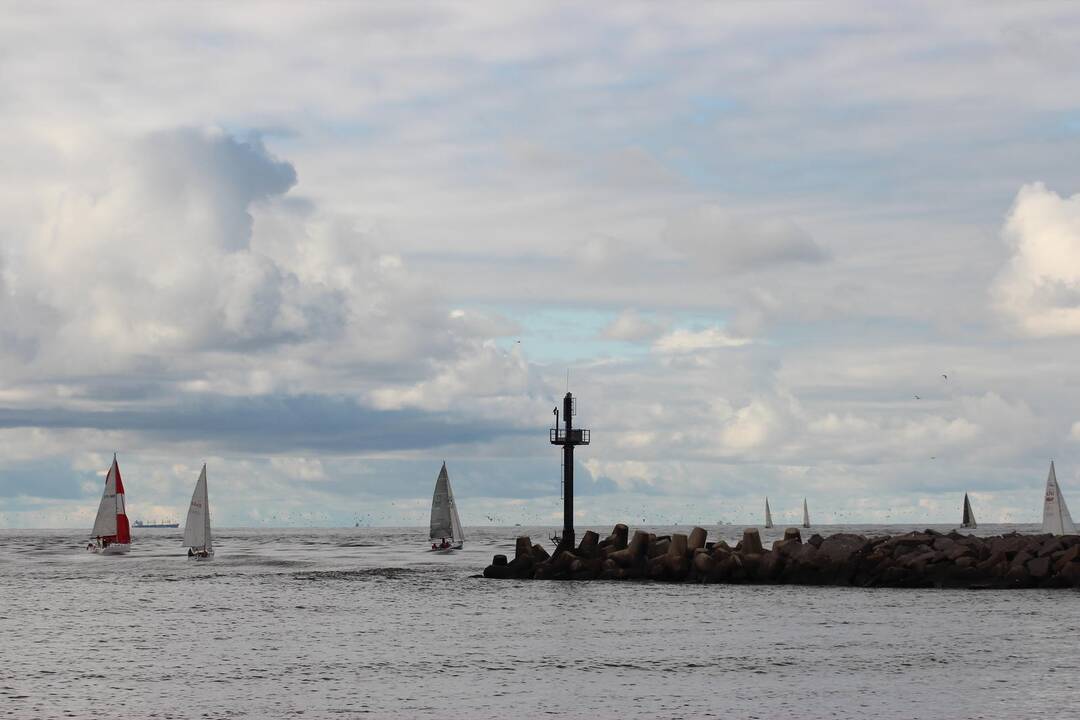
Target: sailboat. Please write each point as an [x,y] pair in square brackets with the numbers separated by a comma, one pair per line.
[768,515]
[969,516]
[446,533]
[197,528]
[805,515]
[111,530]
[1056,518]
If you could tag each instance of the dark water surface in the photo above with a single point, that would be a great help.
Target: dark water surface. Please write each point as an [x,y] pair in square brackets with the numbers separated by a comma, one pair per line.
[364,623]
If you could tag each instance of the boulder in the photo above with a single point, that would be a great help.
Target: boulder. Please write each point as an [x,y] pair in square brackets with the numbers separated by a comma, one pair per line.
[523,547]
[704,566]
[498,560]
[1050,547]
[1039,568]
[659,547]
[496,572]
[589,545]
[838,557]
[539,553]
[639,544]
[1069,575]
[771,567]
[792,534]
[1066,557]
[617,538]
[678,546]
[1017,576]
[751,542]
[697,538]
[943,543]
[816,540]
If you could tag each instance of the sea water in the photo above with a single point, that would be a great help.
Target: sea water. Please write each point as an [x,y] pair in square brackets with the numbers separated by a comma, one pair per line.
[344,623]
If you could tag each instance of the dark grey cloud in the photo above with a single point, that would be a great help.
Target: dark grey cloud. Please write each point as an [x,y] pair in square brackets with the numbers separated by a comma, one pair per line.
[191,163]
[271,424]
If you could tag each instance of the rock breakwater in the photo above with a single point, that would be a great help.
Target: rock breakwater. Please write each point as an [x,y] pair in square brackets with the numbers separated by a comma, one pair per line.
[915,560]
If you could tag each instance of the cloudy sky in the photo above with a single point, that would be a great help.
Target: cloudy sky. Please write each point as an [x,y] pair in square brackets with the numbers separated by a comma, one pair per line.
[786,250]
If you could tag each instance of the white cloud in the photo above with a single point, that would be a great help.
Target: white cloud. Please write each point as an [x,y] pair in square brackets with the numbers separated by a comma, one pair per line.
[1040,287]
[715,240]
[688,341]
[632,326]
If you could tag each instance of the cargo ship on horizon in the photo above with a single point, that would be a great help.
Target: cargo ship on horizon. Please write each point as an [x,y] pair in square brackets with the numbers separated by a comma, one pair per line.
[142,526]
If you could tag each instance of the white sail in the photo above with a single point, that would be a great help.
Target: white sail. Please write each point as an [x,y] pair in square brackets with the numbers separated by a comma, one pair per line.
[105,522]
[968,520]
[197,528]
[1056,518]
[805,515]
[441,515]
[457,532]
[768,514]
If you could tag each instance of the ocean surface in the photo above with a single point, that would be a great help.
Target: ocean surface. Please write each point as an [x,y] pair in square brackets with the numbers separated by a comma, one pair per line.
[364,623]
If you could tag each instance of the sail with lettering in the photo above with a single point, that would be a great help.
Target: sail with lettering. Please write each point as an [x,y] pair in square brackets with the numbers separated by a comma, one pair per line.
[1056,518]
[111,530]
[968,520]
[805,515]
[445,529]
[197,535]
[768,514]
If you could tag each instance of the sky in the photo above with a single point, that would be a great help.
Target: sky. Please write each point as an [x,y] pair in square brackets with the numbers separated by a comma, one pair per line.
[828,251]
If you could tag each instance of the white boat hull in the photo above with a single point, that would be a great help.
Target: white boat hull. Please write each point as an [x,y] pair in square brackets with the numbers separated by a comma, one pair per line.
[114,549]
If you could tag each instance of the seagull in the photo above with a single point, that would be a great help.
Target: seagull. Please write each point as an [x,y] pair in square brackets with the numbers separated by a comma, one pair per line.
[946,377]
[918,398]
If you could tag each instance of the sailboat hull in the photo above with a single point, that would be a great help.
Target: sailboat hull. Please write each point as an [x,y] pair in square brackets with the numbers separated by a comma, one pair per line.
[447,551]
[208,556]
[114,549]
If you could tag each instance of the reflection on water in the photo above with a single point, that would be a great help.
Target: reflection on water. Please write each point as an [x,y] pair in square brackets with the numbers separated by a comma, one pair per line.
[365,622]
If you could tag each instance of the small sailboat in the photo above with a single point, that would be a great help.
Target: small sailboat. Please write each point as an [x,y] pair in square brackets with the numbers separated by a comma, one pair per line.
[768,514]
[1056,517]
[446,532]
[197,536]
[969,516]
[805,515]
[111,533]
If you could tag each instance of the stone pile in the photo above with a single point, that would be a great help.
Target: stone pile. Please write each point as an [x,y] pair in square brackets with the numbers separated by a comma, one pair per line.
[918,559]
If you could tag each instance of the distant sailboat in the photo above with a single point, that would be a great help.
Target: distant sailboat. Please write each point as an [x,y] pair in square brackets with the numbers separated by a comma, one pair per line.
[805,515]
[969,516]
[445,523]
[111,529]
[768,515]
[1056,518]
[197,535]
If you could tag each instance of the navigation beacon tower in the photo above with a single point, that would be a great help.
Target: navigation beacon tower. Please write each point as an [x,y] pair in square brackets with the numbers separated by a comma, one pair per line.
[568,437]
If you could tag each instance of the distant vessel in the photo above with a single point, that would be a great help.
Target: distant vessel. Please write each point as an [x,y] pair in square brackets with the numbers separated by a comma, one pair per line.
[1056,517]
[768,514]
[111,532]
[805,515]
[969,516]
[445,523]
[197,528]
[143,525]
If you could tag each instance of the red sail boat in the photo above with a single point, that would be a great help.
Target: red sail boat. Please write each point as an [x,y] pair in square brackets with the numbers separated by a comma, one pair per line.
[111,532]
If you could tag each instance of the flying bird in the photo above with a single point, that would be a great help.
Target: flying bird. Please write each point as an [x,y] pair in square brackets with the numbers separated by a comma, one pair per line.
[918,398]
[946,377]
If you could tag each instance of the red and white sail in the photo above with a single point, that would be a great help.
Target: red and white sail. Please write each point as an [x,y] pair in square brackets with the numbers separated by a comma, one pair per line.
[111,523]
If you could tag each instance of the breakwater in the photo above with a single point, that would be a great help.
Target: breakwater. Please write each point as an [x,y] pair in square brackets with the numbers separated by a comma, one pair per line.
[917,559]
